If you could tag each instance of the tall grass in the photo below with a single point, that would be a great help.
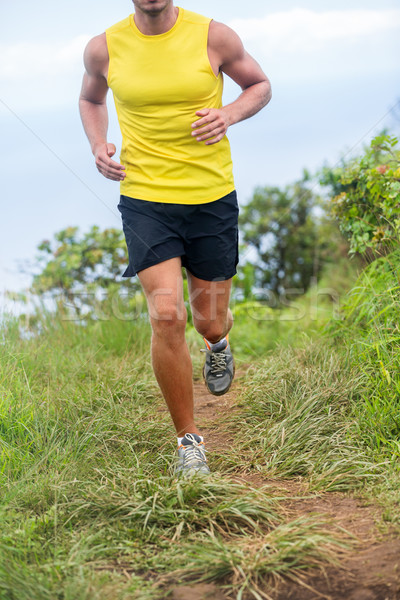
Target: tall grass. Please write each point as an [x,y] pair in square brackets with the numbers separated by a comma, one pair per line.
[370,329]
[294,420]
[260,328]
[90,507]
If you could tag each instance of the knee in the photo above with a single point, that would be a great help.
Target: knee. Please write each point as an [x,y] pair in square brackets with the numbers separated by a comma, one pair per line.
[212,331]
[169,320]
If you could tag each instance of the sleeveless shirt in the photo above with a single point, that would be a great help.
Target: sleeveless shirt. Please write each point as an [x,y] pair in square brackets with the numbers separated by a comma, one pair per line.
[158,83]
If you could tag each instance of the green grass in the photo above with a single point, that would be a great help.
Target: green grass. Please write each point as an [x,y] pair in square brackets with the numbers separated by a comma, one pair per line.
[369,328]
[89,505]
[259,328]
[294,419]
[250,562]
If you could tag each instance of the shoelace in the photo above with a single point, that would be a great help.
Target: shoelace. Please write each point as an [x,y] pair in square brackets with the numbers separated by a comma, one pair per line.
[194,452]
[218,361]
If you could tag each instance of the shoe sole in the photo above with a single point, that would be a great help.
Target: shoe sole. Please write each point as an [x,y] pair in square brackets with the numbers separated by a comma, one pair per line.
[224,391]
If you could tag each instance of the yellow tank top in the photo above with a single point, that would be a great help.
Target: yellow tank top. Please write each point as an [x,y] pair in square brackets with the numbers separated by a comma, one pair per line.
[158,83]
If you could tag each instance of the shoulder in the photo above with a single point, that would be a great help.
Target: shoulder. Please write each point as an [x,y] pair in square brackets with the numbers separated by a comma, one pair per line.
[226,42]
[96,54]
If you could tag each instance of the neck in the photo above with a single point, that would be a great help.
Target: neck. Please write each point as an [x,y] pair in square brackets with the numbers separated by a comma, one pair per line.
[158,23]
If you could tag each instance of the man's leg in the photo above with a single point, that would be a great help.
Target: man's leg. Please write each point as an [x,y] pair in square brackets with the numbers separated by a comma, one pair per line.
[163,287]
[209,301]
[213,319]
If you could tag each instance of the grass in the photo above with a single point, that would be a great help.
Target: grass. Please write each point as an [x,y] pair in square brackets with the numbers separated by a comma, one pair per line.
[284,551]
[89,505]
[259,328]
[369,328]
[294,419]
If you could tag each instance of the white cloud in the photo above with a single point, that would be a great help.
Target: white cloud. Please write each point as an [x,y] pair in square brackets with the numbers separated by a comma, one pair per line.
[307,44]
[300,29]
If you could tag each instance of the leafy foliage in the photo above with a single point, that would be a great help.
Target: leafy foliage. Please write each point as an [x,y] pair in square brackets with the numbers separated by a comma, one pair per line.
[78,265]
[366,198]
[291,234]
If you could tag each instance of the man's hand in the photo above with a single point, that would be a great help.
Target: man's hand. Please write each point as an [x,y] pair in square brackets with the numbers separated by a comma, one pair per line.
[107,167]
[212,126]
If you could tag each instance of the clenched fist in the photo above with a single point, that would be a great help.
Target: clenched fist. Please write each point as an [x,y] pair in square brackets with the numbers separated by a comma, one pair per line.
[107,167]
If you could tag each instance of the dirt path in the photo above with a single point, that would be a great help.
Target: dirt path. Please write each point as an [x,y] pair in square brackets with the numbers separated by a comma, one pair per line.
[370,572]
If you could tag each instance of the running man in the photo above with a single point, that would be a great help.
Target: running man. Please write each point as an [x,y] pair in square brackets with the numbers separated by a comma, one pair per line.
[178,203]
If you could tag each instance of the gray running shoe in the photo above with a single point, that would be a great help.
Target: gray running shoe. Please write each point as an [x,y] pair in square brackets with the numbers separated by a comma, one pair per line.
[219,369]
[191,457]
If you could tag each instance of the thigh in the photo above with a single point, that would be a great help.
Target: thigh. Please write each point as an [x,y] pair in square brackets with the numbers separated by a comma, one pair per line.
[211,244]
[163,287]
[209,300]
[152,237]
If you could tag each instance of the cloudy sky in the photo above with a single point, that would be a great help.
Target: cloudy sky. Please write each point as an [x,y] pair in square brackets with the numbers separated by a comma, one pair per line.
[335,76]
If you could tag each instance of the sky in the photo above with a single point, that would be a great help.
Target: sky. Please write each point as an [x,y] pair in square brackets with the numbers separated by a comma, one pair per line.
[335,76]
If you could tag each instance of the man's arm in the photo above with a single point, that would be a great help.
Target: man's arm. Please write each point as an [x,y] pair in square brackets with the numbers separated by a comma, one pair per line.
[93,108]
[226,53]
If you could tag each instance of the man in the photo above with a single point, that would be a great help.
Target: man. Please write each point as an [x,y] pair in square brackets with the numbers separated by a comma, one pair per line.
[178,202]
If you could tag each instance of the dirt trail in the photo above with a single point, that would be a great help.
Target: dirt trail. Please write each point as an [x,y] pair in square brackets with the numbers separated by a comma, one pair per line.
[369,572]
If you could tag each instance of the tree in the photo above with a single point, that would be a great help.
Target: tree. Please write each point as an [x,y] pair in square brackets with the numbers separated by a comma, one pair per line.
[76,266]
[291,234]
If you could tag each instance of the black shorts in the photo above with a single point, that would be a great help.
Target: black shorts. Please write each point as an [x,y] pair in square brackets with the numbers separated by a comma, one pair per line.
[205,236]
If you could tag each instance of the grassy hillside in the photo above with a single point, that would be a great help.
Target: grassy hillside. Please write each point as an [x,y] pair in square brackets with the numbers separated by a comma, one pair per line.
[87,489]
[89,505]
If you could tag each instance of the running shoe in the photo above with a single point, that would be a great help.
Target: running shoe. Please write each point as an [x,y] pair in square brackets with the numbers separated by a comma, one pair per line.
[191,456]
[219,368]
